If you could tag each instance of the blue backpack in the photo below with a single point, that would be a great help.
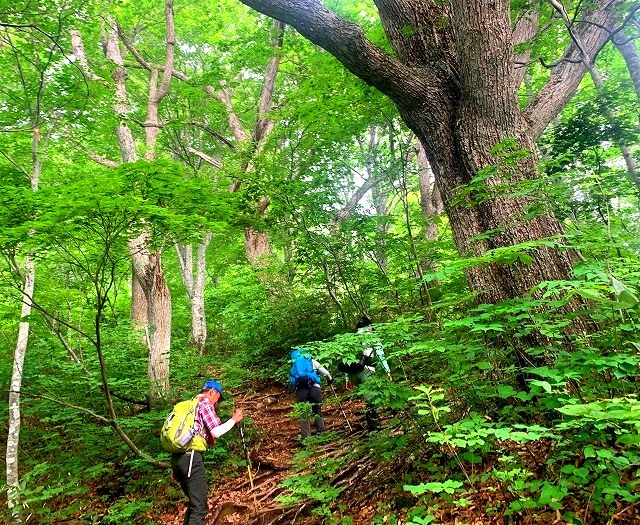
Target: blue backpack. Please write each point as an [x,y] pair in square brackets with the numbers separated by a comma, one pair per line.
[302,373]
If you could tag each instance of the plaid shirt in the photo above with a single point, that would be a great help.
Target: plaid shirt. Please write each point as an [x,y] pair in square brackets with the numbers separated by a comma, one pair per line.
[206,420]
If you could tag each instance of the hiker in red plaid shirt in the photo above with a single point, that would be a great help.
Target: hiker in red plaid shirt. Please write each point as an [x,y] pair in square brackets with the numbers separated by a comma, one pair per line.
[188,467]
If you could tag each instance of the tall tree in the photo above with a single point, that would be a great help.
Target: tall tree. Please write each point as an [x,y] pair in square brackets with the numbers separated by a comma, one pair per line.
[452,79]
[256,242]
[151,299]
[589,65]
[32,54]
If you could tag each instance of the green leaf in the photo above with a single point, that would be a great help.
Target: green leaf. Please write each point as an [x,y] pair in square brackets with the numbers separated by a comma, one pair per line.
[624,294]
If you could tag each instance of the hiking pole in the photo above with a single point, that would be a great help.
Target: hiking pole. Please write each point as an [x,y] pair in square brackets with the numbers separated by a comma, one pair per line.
[341,409]
[246,452]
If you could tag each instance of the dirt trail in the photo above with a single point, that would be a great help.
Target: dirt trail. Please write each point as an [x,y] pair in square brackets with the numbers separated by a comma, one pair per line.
[273,441]
[272,436]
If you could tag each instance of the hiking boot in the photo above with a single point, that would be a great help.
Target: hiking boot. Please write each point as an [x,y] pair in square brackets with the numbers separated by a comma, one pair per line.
[305,428]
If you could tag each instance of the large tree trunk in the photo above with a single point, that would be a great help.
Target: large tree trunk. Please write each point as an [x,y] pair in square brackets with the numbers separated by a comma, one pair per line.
[496,221]
[159,312]
[128,153]
[147,269]
[150,274]
[452,79]
[257,246]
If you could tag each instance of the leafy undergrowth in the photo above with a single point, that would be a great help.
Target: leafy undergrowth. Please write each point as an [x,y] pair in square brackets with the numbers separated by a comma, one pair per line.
[347,476]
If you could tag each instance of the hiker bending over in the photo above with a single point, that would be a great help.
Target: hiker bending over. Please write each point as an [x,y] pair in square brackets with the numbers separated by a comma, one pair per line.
[306,384]
[359,372]
[188,467]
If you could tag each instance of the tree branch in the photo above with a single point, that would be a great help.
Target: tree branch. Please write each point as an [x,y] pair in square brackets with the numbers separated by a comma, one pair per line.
[524,31]
[209,160]
[93,414]
[263,124]
[592,32]
[234,122]
[176,74]
[102,160]
[170,50]
[130,47]
[346,41]
[77,48]
[209,129]
[113,423]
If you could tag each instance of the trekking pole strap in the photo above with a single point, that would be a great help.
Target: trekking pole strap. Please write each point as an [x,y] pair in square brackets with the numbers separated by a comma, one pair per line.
[341,409]
[190,463]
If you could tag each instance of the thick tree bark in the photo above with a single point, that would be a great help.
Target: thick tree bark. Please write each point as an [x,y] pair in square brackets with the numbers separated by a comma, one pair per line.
[256,246]
[147,271]
[159,300]
[455,87]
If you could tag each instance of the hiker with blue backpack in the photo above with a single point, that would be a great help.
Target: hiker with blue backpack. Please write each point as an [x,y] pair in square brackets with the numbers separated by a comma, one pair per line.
[192,426]
[306,384]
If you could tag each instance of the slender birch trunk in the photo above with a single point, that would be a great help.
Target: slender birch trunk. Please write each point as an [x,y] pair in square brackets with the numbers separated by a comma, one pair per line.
[195,286]
[15,416]
[431,206]
[430,201]
[13,434]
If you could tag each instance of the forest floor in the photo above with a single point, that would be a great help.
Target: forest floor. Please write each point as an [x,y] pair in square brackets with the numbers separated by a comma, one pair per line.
[274,440]
[370,490]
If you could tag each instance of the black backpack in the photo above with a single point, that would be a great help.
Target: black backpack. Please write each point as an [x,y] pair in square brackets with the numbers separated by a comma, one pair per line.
[351,368]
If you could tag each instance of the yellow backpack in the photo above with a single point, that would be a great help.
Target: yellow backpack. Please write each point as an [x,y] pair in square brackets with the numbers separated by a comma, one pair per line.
[178,433]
